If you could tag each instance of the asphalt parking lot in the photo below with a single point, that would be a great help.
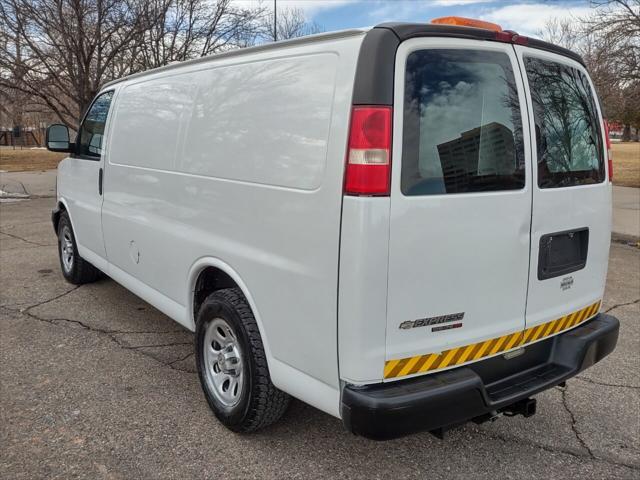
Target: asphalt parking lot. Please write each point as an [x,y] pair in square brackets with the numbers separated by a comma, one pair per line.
[95,383]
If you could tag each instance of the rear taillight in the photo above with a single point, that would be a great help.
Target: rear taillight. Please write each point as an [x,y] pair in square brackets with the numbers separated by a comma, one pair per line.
[609,151]
[368,169]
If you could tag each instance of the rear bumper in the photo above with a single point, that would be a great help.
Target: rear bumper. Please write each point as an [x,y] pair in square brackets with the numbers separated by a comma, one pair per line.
[427,403]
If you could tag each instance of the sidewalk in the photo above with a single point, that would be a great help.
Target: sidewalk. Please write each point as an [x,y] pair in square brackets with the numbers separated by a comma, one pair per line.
[626,211]
[17,185]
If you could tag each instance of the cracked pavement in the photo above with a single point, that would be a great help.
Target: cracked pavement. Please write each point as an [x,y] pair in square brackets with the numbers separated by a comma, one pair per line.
[95,383]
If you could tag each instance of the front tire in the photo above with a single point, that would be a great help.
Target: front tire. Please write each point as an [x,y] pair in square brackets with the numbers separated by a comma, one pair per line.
[232,364]
[75,269]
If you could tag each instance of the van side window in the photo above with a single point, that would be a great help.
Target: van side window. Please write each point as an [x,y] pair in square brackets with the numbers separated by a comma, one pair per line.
[569,144]
[89,142]
[462,124]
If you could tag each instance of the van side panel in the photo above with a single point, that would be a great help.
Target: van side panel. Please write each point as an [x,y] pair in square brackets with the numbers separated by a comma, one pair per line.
[364,250]
[149,118]
[241,112]
[243,184]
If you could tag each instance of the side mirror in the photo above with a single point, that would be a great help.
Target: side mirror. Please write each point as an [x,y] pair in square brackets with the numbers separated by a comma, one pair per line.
[57,139]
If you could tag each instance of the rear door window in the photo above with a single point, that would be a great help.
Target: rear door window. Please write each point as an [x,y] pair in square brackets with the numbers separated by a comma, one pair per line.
[568,139]
[462,124]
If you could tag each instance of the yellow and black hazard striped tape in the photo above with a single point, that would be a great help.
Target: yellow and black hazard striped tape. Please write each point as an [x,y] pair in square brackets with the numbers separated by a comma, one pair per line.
[486,348]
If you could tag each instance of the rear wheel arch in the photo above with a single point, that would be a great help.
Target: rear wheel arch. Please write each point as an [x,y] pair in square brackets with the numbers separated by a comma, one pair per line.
[210,274]
[209,280]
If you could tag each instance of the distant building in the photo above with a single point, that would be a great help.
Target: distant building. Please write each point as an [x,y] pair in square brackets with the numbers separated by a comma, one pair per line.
[485,150]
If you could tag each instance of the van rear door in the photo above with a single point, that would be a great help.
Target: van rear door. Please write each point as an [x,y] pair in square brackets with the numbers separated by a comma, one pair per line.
[460,205]
[571,221]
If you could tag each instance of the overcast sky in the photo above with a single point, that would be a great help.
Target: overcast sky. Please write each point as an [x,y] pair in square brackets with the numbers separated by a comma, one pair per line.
[525,16]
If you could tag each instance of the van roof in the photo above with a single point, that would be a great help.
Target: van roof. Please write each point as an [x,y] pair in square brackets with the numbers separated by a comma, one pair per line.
[402,31]
[318,37]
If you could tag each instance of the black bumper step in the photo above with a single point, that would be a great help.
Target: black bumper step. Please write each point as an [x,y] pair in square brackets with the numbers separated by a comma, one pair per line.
[439,400]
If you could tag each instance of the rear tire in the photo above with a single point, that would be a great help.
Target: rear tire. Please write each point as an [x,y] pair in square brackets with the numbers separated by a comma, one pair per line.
[229,352]
[75,269]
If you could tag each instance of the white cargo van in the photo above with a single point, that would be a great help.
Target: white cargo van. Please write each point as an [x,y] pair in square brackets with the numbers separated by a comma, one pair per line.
[406,226]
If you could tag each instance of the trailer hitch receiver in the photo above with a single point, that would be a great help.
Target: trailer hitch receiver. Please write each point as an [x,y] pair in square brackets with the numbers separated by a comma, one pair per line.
[525,407]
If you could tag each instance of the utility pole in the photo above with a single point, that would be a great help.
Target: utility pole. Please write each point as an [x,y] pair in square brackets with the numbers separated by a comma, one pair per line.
[275,21]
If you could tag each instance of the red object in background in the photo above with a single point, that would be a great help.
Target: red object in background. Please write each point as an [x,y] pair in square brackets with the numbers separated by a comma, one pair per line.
[609,151]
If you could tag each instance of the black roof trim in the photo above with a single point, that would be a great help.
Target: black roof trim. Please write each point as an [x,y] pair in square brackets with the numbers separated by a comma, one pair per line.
[405,31]
[550,47]
[375,70]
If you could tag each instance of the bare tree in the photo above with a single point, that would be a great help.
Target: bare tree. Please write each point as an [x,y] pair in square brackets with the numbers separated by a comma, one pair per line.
[195,28]
[609,42]
[291,23]
[617,22]
[60,52]
[562,31]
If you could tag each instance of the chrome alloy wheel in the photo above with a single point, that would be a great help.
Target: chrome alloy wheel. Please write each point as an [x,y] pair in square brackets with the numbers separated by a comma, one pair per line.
[223,362]
[66,248]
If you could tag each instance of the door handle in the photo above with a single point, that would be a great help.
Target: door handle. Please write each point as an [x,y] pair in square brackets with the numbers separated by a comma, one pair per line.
[100,181]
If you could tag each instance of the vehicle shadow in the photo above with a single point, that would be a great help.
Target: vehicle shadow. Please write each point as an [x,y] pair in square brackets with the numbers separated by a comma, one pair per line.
[307,439]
